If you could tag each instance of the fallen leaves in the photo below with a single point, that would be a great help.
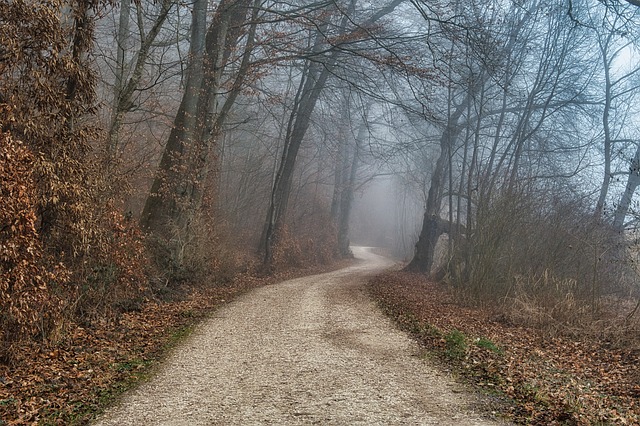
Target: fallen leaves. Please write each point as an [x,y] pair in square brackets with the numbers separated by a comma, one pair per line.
[72,381]
[68,383]
[547,381]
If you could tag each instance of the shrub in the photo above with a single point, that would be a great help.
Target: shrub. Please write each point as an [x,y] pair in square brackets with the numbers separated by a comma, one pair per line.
[545,263]
[312,240]
[209,254]
[64,252]
[27,306]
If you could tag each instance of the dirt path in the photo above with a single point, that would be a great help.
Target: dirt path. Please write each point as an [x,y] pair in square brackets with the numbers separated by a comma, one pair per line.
[313,350]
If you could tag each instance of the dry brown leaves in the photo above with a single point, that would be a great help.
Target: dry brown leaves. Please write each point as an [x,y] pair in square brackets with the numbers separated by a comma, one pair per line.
[68,383]
[547,381]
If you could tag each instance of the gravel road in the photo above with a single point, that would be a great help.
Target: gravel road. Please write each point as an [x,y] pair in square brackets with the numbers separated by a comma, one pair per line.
[313,350]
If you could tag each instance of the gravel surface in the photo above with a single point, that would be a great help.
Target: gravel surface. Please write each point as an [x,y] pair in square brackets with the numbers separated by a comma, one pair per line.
[313,350]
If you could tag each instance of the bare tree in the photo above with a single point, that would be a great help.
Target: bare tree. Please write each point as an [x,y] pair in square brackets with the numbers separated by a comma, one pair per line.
[619,89]
[176,191]
[125,86]
[319,64]
[625,199]
[516,94]
[346,172]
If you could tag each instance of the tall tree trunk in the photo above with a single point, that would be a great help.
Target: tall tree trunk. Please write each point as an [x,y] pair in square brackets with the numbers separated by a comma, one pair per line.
[431,228]
[606,179]
[312,82]
[122,38]
[217,111]
[342,162]
[160,203]
[346,195]
[471,214]
[315,79]
[627,196]
[176,192]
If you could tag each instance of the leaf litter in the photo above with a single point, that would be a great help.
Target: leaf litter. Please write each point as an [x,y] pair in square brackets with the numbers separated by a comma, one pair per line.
[542,380]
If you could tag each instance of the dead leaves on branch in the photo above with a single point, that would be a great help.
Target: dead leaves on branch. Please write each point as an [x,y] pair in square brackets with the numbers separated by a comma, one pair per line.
[25,273]
[64,251]
[546,380]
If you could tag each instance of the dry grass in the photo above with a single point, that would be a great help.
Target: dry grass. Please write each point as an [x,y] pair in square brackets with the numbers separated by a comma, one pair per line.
[552,267]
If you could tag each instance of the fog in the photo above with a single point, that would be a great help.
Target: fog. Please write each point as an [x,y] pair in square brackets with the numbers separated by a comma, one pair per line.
[192,150]
[385,216]
[294,129]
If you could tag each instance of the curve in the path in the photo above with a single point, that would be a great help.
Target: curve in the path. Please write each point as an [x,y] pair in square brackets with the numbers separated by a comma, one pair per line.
[313,350]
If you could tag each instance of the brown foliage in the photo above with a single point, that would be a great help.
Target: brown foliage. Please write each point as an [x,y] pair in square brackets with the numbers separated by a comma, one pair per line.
[112,274]
[26,303]
[70,381]
[64,250]
[313,241]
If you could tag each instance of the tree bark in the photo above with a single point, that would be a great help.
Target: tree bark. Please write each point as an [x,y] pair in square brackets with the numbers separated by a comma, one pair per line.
[176,192]
[160,205]
[346,196]
[627,196]
[423,257]
[121,41]
[606,179]
[341,171]
[315,80]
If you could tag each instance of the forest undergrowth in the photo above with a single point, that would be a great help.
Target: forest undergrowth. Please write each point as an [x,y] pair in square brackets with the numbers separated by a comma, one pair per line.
[543,376]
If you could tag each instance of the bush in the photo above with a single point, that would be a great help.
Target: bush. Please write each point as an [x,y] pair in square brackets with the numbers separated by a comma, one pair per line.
[27,307]
[313,241]
[64,252]
[549,264]
[111,275]
[209,253]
